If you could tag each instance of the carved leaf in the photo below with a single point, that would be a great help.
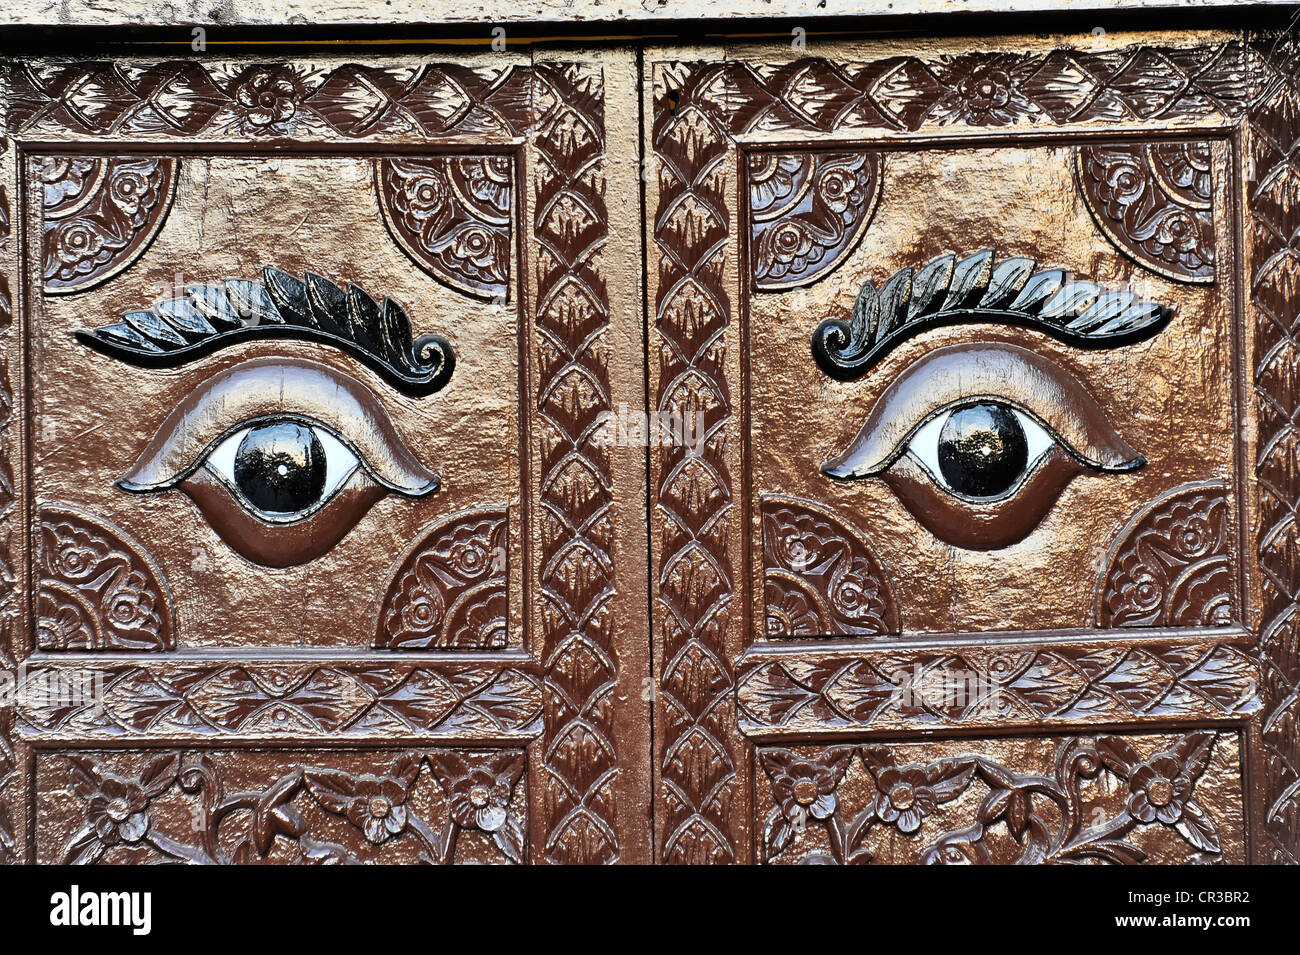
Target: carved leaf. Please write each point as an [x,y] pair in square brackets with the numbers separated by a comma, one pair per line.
[949,291]
[210,317]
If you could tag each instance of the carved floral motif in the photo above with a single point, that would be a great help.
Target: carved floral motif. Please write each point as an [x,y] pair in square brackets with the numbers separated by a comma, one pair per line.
[97,588]
[1101,799]
[807,212]
[452,215]
[1155,202]
[99,215]
[450,589]
[175,807]
[1172,564]
[820,576]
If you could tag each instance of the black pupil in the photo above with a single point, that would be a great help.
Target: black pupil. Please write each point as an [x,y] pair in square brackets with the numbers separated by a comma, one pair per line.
[982,450]
[280,468]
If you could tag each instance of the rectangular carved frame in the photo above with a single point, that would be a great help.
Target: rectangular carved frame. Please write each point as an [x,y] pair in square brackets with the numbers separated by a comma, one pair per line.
[585,779]
[720,697]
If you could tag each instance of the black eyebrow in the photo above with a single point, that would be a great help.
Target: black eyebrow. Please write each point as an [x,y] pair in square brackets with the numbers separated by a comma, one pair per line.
[210,317]
[949,291]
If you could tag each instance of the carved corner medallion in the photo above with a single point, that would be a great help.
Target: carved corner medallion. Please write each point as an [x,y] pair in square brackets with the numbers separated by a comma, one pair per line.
[99,214]
[1155,203]
[1172,565]
[452,215]
[807,211]
[820,575]
[450,588]
[98,588]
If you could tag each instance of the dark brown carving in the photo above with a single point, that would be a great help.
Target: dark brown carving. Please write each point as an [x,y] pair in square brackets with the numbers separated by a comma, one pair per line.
[1274,273]
[807,211]
[820,576]
[1111,799]
[174,806]
[12,782]
[268,699]
[581,750]
[1172,565]
[951,291]
[449,590]
[698,753]
[185,98]
[99,214]
[97,589]
[452,215]
[1155,202]
[211,317]
[897,689]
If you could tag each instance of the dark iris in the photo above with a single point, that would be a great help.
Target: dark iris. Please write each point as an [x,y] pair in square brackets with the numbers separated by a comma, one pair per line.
[280,468]
[982,450]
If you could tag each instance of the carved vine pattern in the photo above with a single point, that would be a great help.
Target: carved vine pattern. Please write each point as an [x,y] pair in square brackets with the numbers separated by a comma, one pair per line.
[1155,202]
[1045,815]
[452,216]
[450,589]
[1172,565]
[699,109]
[99,214]
[1273,150]
[807,211]
[308,700]
[246,826]
[820,575]
[98,589]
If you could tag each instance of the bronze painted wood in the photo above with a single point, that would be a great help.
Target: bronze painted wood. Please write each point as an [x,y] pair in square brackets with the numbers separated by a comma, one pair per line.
[925,492]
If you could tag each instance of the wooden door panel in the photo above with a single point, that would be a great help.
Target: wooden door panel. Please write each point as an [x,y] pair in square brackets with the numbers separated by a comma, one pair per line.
[855,250]
[306,365]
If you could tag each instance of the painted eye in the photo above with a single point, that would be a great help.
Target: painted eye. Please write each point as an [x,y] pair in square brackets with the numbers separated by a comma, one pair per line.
[283,469]
[309,452]
[978,442]
[980,451]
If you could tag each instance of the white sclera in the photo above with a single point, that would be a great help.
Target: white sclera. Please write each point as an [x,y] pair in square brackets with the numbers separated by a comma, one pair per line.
[340,462]
[924,446]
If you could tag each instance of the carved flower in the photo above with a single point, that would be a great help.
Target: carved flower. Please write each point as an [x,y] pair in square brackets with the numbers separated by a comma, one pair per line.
[76,241]
[117,807]
[65,179]
[129,605]
[423,605]
[804,786]
[983,93]
[789,612]
[772,179]
[119,811]
[789,246]
[841,187]
[907,794]
[425,191]
[1159,790]
[1179,230]
[478,787]
[1125,181]
[129,189]
[476,247]
[268,99]
[375,804]
[73,553]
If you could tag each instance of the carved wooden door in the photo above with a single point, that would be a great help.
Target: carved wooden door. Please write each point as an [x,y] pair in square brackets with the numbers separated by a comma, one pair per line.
[953,379]
[313,552]
[987,552]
